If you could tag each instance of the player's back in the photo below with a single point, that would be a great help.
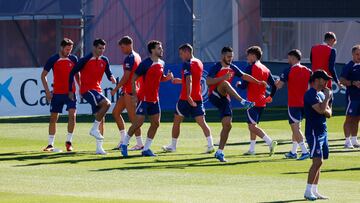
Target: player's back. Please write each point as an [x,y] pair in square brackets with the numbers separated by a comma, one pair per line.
[132,60]
[256,92]
[298,84]
[320,55]
[196,69]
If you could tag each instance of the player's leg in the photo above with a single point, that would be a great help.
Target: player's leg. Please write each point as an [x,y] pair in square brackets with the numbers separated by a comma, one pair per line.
[224,135]
[348,124]
[225,88]
[131,111]
[299,139]
[154,125]
[200,120]
[116,113]
[354,131]
[139,121]
[313,177]
[293,121]
[175,133]
[52,131]
[70,128]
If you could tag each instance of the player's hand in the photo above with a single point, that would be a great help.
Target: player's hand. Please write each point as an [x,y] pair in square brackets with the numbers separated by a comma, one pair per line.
[48,96]
[169,75]
[263,83]
[341,86]
[268,99]
[191,102]
[113,80]
[327,92]
[356,83]
[238,84]
[113,92]
[71,96]
[227,76]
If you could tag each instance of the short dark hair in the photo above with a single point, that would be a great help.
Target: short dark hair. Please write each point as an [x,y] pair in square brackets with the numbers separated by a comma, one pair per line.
[329,36]
[226,49]
[320,74]
[186,47]
[99,41]
[152,44]
[354,48]
[296,53]
[256,50]
[66,42]
[125,40]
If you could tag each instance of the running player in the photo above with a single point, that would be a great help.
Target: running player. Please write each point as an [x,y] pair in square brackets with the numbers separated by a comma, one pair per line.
[257,93]
[152,71]
[61,64]
[297,78]
[190,102]
[92,68]
[317,109]
[220,90]
[350,77]
[323,57]
[130,64]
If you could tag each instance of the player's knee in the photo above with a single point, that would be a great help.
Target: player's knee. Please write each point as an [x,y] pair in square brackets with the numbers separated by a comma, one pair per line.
[227,125]
[155,124]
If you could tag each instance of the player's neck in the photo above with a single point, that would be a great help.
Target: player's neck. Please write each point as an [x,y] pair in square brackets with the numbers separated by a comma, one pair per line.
[155,58]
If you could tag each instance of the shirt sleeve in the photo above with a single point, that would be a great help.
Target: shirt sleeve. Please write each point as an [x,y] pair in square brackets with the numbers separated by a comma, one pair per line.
[312,99]
[141,70]
[77,68]
[285,75]
[213,71]
[332,65]
[238,72]
[50,63]
[129,63]
[187,69]
[345,71]
[271,82]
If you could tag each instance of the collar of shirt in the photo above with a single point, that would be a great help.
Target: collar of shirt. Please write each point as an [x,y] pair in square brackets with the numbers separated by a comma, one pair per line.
[297,64]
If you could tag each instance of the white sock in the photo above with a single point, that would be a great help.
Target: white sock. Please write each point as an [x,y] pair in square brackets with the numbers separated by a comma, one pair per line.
[96,125]
[122,135]
[99,144]
[252,145]
[147,143]
[174,142]
[69,137]
[126,139]
[347,140]
[314,189]
[354,139]
[219,151]
[294,147]
[210,141]
[51,140]
[139,140]
[309,188]
[268,140]
[303,147]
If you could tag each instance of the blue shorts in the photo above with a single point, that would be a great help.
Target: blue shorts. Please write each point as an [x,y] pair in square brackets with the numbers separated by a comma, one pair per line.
[353,108]
[184,109]
[253,114]
[222,103]
[59,100]
[295,114]
[148,108]
[318,144]
[93,98]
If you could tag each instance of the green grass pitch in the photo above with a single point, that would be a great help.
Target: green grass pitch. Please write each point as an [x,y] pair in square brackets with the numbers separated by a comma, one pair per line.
[29,175]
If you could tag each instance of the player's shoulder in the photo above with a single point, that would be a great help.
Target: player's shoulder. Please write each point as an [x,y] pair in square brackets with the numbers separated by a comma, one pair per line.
[350,64]
[73,57]
[104,58]
[54,57]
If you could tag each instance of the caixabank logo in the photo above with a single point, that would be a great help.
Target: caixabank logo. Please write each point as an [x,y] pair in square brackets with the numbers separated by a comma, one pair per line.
[5,92]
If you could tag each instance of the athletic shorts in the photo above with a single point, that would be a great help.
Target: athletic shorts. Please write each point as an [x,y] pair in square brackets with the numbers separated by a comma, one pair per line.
[93,98]
[222,103]
[59,100]
[183,108]
[254,114]
[147,108]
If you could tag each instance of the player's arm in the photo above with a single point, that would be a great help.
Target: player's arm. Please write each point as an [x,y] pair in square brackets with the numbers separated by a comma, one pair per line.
[108,72]
[283,79]
[251,79]
[332,65]
[77,68]
[271,82]
[176,81]
[189,90]
[167,77]
[48,66]
[123,80]
[323,107]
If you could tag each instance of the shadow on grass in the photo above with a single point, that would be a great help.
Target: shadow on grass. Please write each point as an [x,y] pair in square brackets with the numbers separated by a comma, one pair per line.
[285,201]
[324,171]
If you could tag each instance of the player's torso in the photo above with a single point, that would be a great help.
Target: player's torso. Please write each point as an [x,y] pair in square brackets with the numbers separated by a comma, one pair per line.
[354,75]
[61,71]
[196,75]
[127,87]
[298,84]
[91,75]
[222,71]
[256,93]
[314,120]
[320,56]
[151,81]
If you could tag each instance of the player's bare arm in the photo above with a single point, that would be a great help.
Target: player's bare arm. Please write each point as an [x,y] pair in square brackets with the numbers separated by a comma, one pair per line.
[45,84]
[123,80]
[251,79]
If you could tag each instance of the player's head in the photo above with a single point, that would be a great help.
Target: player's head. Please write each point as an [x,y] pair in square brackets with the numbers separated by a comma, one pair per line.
[126,44]
[294,56]
[185,52]
[330,38]
[66,46]
[356,53]
[227,55]
[253,54]
[99,46]
[155,48]
[319,79]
